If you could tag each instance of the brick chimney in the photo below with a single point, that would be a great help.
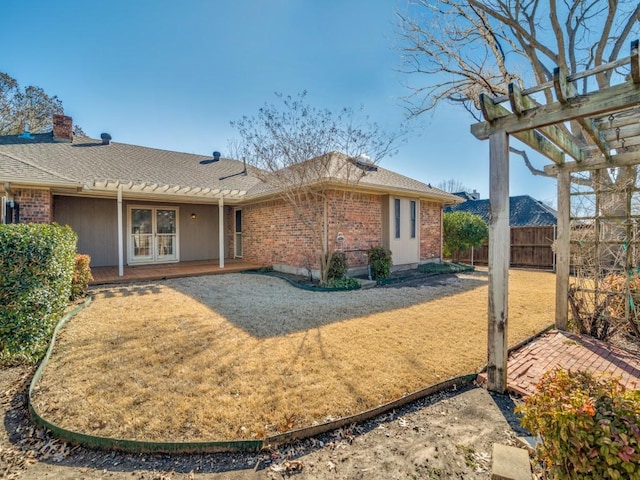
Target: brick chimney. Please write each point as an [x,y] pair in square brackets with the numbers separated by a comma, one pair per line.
[62,128]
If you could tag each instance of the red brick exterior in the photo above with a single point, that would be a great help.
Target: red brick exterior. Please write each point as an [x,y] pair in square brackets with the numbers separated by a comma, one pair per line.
[360,224]
[62,128]
[272,235]
[36,205]
[430,230]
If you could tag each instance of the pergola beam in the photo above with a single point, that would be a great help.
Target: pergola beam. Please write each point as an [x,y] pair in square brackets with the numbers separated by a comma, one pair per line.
[598,103]
[565,92]
[531,138]
[625,159]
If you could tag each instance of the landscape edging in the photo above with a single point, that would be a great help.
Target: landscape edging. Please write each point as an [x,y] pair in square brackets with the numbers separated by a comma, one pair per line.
[139,446]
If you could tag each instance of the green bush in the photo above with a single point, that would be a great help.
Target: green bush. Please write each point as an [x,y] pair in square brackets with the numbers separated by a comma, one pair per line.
[337,265]
[461,231]
[380,262]
[35,286]
[81,276]
[346,283]
[590,428]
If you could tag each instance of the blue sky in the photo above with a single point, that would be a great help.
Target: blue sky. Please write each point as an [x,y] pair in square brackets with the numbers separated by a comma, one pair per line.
[172,75]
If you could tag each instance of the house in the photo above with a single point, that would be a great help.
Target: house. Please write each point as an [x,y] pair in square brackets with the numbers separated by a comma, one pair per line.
[133,205]
[524,211]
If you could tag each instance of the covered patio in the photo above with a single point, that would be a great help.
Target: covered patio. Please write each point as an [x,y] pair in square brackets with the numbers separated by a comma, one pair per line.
[106,275]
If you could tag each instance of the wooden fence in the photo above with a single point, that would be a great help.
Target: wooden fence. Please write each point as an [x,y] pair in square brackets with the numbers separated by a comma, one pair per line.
[531,247]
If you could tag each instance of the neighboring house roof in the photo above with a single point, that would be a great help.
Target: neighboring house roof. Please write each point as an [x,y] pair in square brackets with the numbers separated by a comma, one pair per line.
[524,211]
[91,165]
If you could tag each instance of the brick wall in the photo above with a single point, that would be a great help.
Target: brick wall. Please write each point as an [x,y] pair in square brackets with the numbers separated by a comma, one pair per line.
[358,216]
[36,205]
[274,235]
[430,230]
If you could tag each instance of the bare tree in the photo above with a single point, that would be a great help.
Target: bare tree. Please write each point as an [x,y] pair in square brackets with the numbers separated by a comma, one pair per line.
[311,157]
[456,49]
[30,105]
[452,186]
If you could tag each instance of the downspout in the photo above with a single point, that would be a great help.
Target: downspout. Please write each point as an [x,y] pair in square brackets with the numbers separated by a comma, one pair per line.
[120,234]
[442,233]
[7,189]
[221,230]
[3,214]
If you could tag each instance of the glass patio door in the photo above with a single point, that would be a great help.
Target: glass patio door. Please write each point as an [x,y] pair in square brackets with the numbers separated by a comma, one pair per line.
[153,234]
[166,234]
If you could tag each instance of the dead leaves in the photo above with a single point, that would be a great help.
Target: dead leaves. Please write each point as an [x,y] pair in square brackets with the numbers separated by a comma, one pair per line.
[39,443]
[13,461]
[288,467]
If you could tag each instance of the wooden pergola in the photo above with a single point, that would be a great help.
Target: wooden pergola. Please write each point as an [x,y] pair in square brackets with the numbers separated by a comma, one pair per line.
[609,117]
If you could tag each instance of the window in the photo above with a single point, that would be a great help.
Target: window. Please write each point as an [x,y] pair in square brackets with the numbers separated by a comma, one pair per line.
[413,219]
[238,235]
[397,209]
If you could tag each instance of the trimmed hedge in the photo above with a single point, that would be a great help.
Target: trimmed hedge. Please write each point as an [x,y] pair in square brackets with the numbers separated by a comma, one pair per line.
[81,276]
[338,266]
[36,271]
[380,262]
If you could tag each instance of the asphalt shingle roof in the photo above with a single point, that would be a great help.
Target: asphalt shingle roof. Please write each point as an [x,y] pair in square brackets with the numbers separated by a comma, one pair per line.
[88,162]
[524,211]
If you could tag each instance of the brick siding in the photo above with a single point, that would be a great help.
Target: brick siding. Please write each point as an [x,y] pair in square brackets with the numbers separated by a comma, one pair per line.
[36,205]
[430,230]
[274,235]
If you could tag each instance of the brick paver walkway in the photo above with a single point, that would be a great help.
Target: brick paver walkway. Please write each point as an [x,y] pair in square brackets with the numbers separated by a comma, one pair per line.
[570,351]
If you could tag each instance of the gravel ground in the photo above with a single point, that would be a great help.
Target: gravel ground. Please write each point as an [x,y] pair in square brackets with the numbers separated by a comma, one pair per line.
[297,310]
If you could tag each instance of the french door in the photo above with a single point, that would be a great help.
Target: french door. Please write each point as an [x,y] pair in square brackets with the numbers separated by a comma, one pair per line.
[153,234]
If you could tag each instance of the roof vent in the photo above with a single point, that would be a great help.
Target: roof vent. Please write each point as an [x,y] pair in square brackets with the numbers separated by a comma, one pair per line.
[207,161]
[364,162]
[27,133]
[106,138]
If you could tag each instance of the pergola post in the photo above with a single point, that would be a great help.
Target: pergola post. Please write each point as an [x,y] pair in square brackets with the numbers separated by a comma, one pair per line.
[563,244]
[499,256]
[221,231]
[120,233]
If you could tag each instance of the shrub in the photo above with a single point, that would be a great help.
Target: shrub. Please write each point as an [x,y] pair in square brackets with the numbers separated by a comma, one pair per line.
[461,231]
[346,283]
[35,285]
[380,262]
[590,428]
[337,266]
[81,276]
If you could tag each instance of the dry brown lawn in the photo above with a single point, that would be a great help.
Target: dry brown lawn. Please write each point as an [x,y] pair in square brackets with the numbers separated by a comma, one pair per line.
[245,356]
